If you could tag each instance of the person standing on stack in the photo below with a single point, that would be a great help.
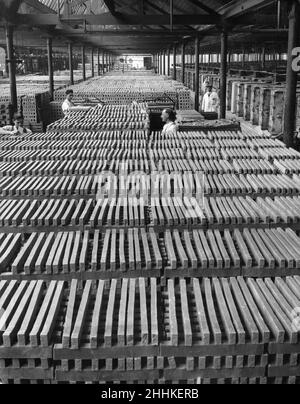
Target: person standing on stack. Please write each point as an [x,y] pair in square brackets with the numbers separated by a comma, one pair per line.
[211,101]
[169,118]
[17,129]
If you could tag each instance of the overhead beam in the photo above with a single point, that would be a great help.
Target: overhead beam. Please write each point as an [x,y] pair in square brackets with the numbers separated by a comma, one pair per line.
[203,7]
[36,4]
[240,7]
[40,20]
[110,4]
[117,19]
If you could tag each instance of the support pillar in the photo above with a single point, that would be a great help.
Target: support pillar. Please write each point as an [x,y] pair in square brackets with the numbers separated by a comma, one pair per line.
[223,73]
[263,58]
[93,64]
[50,68]
[71,64]
[183,63]
[197,74]
[98,59]
[169,62]
[83,63]
[174,72]
[103,62]
[106,62]
[164,62]
[291,77]
[11,67]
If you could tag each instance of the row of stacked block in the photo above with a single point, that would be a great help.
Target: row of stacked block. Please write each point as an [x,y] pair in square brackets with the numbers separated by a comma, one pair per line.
[215,330]
[133,252]
[118,90]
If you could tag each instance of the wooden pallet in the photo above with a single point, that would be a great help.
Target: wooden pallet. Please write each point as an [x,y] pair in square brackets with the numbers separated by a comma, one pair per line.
[251,252]
[64,255]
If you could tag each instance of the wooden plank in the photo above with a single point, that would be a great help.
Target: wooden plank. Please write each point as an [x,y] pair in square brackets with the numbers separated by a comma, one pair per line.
[235,315]
[279,258]
[3,285]
[66,336]
[42,258]
[225,315]
[283,310]
[215,249]
[156,250]
[12,328]
[50,322]
[123,265]
[181,252]
[146,250]
[66,219]
[58,259]
[113,251]
[122,313]
[31,314]
[96,316]
[170,250]
[190,251]
[83,259]
[108,338]
[203,323]
[265,308]
[52,254]
[143,313]
[34,333]
[138,257]
[81,316]
[67,253]
[263,249]
[154,313]
[248,261]
[131,250]
[188,335]
[130,314]
[105,251]
[215,327]
[200,250]
[174,336]
[95,251]
[74,260]
[254,249]
[226,258]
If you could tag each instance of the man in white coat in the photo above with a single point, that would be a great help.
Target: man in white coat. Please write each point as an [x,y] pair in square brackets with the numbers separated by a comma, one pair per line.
[211,101]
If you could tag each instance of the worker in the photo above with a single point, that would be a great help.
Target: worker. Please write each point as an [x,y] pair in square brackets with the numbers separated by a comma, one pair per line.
[205,84]
[211,101]
[169,118]
[68,105]
[16,129]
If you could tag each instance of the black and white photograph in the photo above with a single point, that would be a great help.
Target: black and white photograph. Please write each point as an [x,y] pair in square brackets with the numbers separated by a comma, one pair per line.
[149,195]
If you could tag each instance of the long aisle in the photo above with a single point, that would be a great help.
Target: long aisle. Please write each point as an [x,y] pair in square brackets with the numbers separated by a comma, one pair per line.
[127,256]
